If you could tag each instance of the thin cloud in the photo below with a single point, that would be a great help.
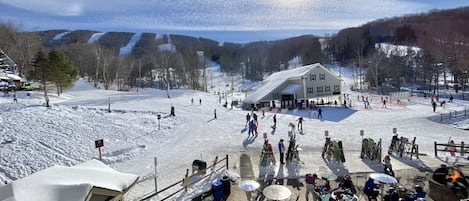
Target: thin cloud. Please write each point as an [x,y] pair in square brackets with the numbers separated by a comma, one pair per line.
[215,14]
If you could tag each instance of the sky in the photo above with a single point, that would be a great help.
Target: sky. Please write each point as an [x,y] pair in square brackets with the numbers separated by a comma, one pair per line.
[220,20]
[33,137]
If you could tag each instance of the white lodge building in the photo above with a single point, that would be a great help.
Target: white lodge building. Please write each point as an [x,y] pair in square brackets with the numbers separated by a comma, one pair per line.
[292,87]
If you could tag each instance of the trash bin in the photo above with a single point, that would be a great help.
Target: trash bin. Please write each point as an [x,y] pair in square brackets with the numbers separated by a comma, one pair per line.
[226,186]
[217,191]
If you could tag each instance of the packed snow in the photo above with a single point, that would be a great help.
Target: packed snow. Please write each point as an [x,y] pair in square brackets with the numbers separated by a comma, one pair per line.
[33,137]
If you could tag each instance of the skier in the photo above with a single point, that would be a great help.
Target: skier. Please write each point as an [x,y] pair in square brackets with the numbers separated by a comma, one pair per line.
[319,113]
[200,101]
[251,127]
[300,123]
[281,151]
[254,116]
[14,98]
[275,121]
[192,101]
[384,103]
[172,111]
[254,127]
[434,105]
[248,117]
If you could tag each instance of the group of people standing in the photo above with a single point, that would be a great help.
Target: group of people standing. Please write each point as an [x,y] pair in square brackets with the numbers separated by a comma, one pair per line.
[252,124]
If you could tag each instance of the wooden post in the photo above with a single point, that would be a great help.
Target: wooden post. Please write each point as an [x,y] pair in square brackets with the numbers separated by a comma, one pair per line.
[156,182]
[213,167]
[186,180]
[99,150]
[227,167]
[413,150]
[109,105]
[98,144]
[462,148]
[436,151]
[159,118]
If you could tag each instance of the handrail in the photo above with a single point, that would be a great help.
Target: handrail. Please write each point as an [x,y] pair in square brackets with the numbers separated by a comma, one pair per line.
[182,181]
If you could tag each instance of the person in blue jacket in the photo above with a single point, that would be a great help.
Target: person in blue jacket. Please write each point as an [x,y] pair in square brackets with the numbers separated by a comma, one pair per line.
[370,187]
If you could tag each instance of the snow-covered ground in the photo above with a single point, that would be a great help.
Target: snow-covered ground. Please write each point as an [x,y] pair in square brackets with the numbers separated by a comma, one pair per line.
[33,137]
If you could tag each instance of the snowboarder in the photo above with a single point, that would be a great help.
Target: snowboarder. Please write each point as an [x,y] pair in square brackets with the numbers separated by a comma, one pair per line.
[319,113]
[300,123]
[281,151]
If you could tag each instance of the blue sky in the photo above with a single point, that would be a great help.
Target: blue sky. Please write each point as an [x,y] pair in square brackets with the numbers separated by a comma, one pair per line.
[294,17]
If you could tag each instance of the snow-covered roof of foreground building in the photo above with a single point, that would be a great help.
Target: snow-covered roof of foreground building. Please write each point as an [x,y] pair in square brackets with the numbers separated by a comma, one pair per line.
[67,183]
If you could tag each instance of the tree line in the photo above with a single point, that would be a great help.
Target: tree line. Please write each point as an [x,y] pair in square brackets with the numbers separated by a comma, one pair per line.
[441,35]
[170,61]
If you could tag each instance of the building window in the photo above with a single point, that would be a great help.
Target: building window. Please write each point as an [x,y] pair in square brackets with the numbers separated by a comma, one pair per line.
[336,88]
[310,90]
[275,94]
[320,89]
[322,76]
[328,88]
[312,77]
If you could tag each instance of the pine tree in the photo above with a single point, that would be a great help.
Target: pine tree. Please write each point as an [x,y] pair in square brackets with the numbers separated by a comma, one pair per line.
[56,68]
[41,72]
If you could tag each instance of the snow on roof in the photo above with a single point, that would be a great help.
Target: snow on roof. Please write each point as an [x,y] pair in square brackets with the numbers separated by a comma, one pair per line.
[14,77]
[276,79]
[67,183]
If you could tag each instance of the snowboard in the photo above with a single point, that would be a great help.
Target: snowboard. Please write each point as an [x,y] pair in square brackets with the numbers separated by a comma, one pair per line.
[336,152]
[324,150]
[341,150]
[364,144]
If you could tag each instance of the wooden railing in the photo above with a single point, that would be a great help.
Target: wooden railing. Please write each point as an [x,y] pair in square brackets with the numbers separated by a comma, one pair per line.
[458,148]
[185,181]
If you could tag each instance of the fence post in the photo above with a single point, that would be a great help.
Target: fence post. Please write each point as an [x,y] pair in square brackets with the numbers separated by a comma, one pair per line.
[227,167]
[186,180]
[436,153]
[462,148]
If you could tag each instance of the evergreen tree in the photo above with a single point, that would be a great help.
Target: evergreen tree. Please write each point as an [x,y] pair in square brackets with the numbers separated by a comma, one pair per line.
[56,69]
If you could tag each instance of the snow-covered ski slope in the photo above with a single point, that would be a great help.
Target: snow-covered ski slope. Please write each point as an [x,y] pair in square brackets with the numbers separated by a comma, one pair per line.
[33,137]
